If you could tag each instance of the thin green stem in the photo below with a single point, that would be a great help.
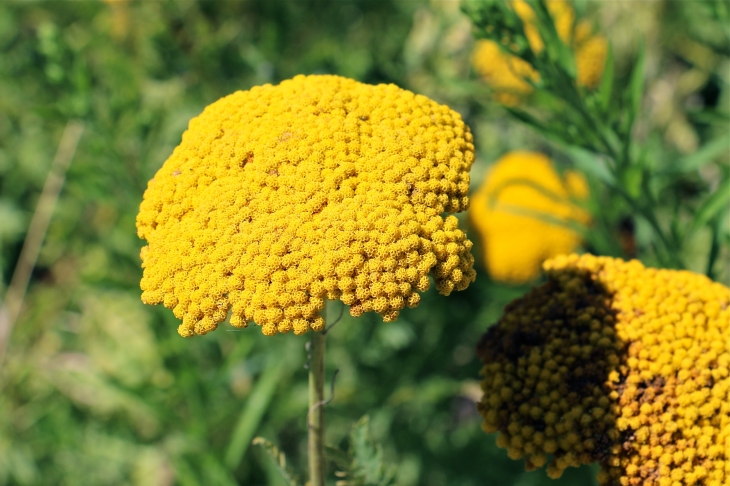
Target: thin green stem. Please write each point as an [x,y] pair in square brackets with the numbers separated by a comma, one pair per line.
[13,303]
[649,216]
[575,100]
[315,417]
[714,249]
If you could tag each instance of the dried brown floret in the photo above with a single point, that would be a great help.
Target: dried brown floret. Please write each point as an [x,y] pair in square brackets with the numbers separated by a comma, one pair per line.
[613,362]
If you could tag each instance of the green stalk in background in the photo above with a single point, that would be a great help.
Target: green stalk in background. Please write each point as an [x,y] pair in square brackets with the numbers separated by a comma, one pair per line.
[253,412]
[595,126]
[13,302]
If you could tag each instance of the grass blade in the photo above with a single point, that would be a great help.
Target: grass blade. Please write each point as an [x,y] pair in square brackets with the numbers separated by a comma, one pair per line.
[259,399]
[713,206]
[606,88]
[706,154]
[636,87]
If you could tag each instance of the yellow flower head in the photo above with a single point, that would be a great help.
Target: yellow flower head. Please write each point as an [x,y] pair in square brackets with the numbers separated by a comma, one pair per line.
[320,187]
[562,13]
[508,75]
[521,211]
[591,52]
[613,362]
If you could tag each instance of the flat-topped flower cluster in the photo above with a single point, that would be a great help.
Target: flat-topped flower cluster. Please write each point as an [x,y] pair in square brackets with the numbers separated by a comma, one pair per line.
[318,188]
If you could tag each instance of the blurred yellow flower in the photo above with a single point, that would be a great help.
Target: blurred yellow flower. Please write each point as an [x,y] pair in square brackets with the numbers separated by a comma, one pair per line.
[508,75]
[119,18]
[320,187]
[613,362]
[590,60]
[521,211]
[562,13]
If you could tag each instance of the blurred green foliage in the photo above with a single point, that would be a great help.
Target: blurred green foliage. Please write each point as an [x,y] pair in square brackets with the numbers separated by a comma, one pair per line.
[635,179]
[98,389]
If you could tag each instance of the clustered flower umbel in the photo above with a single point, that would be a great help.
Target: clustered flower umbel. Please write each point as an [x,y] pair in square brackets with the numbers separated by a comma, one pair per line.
[522,213]
[318,188]
[508,74]
[613,362]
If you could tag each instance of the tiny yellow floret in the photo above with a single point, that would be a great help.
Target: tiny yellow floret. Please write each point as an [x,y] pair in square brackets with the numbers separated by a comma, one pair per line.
[645,425]
[318,188]
[523,211]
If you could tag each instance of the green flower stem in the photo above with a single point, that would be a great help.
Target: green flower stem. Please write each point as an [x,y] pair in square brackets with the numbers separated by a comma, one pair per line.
[714,248]
[315,417]
[621,161]
[672,249]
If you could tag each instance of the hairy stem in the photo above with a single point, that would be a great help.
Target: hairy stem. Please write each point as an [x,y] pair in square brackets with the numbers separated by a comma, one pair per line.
[315,419]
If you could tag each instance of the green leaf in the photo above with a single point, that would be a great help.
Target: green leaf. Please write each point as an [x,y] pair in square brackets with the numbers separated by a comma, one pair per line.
[715,204]
[710,116]
[590,164]
[338,457]
[520,181]
[706,154]
[544,217]
[258,401]
[279,460]
[537,125]
[215,473]
[636,86]
[555,50]
[367,468]
[363,464]
[185,474]
[633,178]
[606,88]
[714,248]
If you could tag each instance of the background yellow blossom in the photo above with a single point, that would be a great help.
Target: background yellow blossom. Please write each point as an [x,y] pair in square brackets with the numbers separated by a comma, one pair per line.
[563,16]
[508,75]
[521,213]
[590,54]
[505,73]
